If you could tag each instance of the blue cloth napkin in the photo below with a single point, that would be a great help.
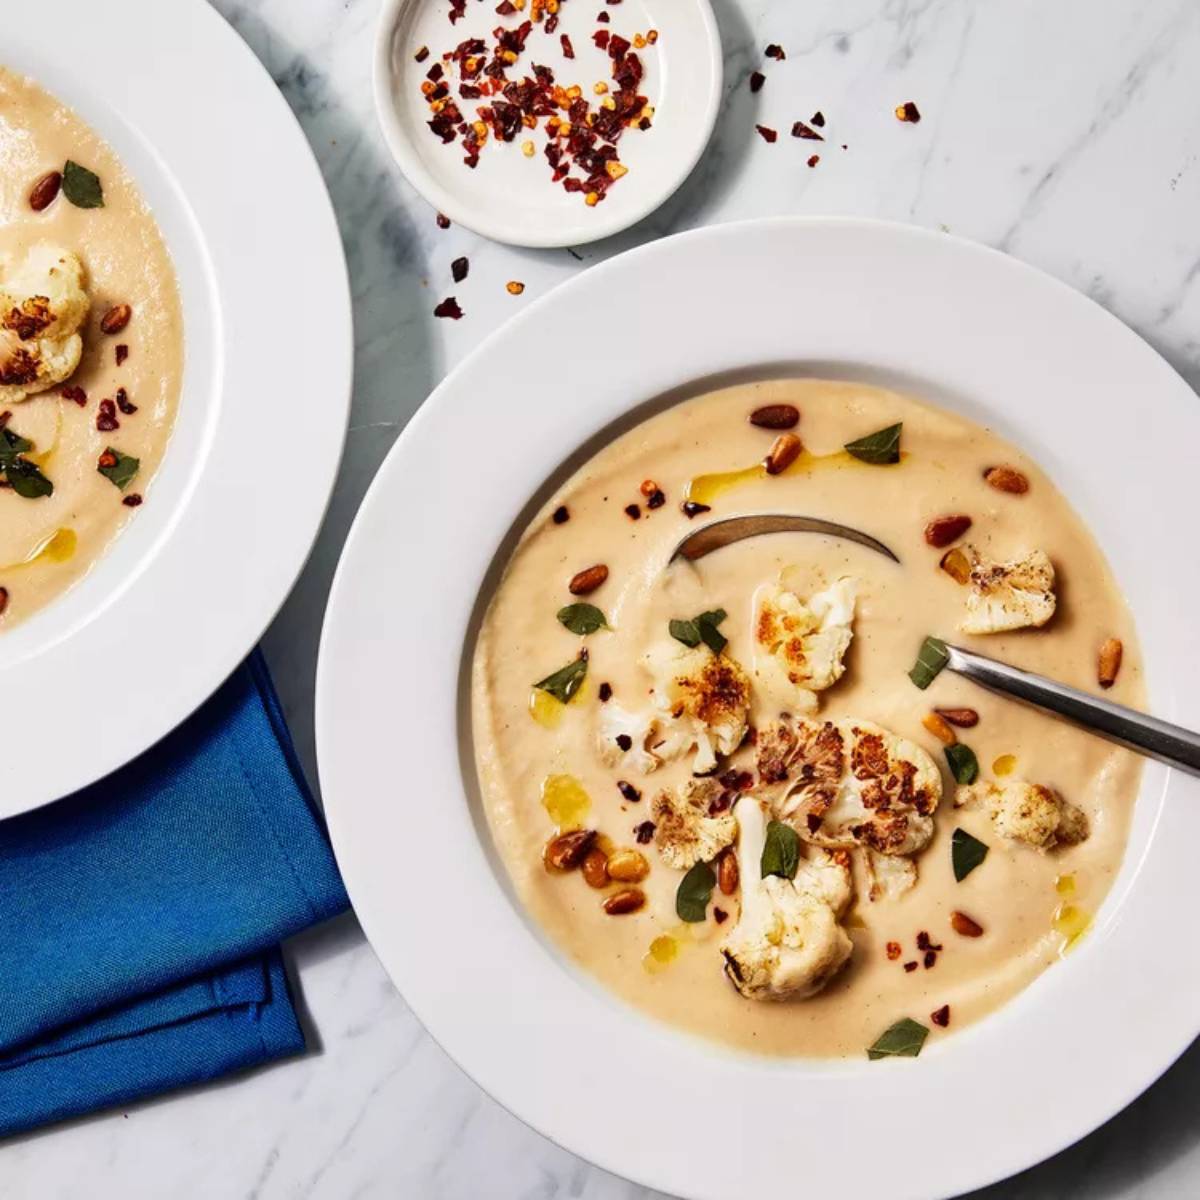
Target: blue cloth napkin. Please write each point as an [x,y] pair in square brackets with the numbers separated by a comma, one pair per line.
[140,918]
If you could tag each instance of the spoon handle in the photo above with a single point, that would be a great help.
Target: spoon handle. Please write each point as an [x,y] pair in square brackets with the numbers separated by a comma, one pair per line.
[1172,744]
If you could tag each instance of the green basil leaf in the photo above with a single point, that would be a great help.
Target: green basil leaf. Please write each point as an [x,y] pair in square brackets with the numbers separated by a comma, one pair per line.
[26,479]
[881,448]
[966,853]
[685,632]
[582,618]
[710,635]
[695,891]
[565,682]
[122,471]
[963,763]
[81,186]
[904,1039]
[781,851]
[932,657]
[12,444]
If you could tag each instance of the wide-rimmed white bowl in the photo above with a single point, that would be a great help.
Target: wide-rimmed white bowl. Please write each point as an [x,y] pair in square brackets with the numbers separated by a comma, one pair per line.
[181,597]
[968,328]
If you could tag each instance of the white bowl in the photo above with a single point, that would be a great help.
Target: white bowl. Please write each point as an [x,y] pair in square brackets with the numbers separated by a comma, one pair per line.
[970,329]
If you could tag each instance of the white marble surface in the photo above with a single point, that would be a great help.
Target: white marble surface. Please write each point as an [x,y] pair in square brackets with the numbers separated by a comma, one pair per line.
[1065,131]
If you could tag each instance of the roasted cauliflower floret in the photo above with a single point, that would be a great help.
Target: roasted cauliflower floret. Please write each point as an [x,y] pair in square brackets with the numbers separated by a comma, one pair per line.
[1011,595]
[625,739]
[42,305]
[787,941]
[1028,812]
[685,832]
[851,783]
[703,702]
[799,647]
[888,875]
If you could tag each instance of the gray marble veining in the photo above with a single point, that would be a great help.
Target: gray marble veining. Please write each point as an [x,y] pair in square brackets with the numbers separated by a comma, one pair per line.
[1067,133]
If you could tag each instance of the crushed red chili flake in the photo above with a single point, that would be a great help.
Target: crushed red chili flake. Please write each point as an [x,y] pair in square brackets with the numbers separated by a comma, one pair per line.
[924,942]
[3,600]
[721,803]
[625,742]
[814,159]
[768,134]
[76,394]
[422,54]
[435,73]
[458,8]
[818,119]
[506,8]
[941,1017]
[605,693]
[737,781]
[628,791]
[121,353]
[443,221]
[603,18]
[757,79]
[692,509]
[656,499]
[459,268]
[567,49]
[893,951]
[908,111]
[601,37]
[930,958]
[720,916]
[644,832]
[562,515]
[800,130]
[632,511]
[124,403]
[775,51]
[107,459]
[106,418]
[910,966]
[133,500]
[449,308]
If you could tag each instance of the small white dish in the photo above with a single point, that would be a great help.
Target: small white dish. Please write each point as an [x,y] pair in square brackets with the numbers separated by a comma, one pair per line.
[510,197]
[972,330]
[108,669]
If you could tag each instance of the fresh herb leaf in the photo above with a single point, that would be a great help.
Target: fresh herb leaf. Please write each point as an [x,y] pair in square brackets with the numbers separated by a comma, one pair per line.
[781,851]
[564,683]
[701,629]
[26,479]
[932,658]
[904,1039]
[81,186]
[963,763]
[12,444]
[881,448]
[582,618]
[966,853]
[122,471]
[695,891]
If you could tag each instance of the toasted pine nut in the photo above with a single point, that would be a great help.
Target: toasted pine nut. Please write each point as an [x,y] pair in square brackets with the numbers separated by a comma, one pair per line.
[964,925]
[587,580]
[1007,479]
[566,851]
[595,867]
[1109,663]
[628,866]
[939,727]
[627,900]
[727,873]
[784,451]
[964,718]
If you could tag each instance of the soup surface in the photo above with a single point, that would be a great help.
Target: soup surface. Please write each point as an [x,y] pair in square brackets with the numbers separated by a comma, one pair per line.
[548,767]
[115,409]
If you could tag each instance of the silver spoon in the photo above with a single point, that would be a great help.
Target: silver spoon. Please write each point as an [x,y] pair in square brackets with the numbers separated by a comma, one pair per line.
[1172,744]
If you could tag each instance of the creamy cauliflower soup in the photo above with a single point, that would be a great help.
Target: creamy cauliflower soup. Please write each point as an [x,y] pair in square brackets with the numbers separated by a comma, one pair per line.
[91,348]
[741,791]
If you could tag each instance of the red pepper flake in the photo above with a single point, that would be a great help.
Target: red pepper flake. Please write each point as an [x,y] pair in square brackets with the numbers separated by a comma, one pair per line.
[459,268]
[421,55]
[721,803]
[625,742]
[124,404]
[775,51]
[133,500]
[930,958]
[449,308]
[601,37]
[757,79]
[644,832]
[908,111]
[567,49]
[76,394]
[458,8]
[910,966]
[924,942]
[768,134]
[720,916]
[106,460]
[818,119]
[561,515]
[435,73]
[800,130]
[813,159]
[632,511]
[605,693]
[106,418]
[893,951]
[691,509]
[603,18]
[443,221]
[3,600]
[941,1017]
[657,499]
[506,8]
[121,353]
[628,791]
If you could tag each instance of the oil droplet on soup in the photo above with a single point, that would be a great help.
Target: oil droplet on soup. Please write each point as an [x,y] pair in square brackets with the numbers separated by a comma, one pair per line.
[1064,885]
[545,709]
[1072,922]
[565,801]
[663,951]
[1005,764]
[704,489]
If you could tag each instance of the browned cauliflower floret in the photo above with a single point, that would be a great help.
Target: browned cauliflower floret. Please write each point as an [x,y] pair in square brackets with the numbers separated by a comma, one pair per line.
[1011,595]
[787,941]
[850,784]
[685,832]
[1028,812]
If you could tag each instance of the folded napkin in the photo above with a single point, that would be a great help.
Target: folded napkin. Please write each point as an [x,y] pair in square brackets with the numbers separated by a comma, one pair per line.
[140,918]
